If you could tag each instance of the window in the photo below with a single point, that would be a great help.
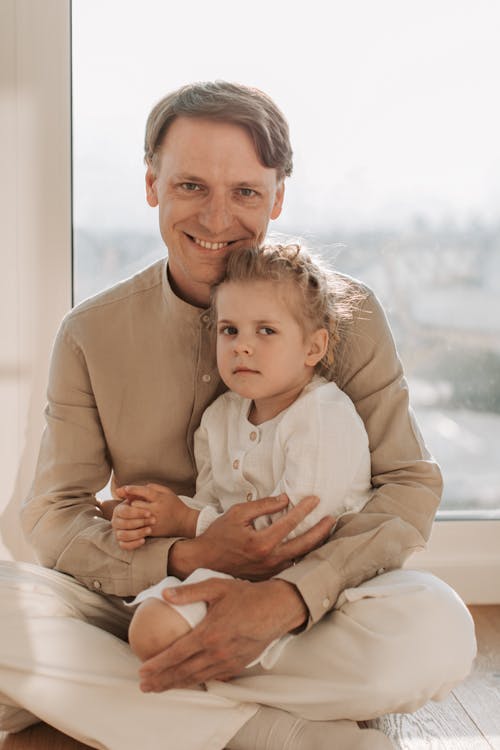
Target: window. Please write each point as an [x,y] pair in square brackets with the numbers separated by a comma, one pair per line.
[394,123]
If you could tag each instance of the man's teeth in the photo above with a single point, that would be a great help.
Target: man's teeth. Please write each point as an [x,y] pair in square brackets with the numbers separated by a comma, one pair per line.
[210,245]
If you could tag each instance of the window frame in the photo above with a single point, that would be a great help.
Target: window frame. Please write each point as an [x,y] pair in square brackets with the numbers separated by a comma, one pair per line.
[464,549]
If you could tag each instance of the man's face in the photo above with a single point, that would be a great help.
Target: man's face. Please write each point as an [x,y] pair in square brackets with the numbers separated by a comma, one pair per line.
[213,195]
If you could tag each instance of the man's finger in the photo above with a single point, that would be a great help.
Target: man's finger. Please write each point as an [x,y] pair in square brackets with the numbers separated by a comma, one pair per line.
[184,648]
[281,528]
[192,672]
[309,540]
[205,591]
[183,674]
[263,507]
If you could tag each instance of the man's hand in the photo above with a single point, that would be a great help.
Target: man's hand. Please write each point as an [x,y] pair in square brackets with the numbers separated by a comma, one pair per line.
[242,619]
[232,545]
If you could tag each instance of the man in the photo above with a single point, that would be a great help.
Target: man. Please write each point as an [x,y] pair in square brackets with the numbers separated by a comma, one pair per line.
[132,371]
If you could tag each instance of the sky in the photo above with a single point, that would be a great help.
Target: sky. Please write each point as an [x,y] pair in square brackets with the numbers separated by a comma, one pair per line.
[393,105]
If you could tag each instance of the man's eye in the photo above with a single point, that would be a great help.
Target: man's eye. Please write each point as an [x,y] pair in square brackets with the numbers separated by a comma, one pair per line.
[247,192]
[267,331]
[229,331]
[190,186]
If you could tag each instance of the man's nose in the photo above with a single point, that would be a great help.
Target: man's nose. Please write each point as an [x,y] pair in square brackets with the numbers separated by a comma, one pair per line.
[216,214]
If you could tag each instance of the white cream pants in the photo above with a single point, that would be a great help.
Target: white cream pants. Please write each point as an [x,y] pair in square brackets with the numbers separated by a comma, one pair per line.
[389,645]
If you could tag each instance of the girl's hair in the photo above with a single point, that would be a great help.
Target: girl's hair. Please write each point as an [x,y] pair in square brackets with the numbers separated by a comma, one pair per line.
[323,299]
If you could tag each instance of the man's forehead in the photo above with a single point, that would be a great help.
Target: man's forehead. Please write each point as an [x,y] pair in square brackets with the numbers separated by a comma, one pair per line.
[188,129]
[197,138]
[195,148]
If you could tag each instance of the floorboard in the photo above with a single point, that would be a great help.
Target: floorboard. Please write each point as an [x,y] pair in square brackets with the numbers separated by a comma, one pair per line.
[480,694]
[469,719]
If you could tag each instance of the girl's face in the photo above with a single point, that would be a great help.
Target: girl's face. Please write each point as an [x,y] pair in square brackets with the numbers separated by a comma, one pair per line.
[262,352]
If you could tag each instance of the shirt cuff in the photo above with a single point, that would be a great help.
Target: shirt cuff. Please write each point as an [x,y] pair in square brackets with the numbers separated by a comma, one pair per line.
[318,584]
[206,518]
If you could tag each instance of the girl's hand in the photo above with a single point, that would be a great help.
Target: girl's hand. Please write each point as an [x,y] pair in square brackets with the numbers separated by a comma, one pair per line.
[171,516]
[131,525]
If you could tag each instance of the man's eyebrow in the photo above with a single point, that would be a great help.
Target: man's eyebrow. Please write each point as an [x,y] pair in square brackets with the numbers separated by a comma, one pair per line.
[186,177]
[190,177]
[249,184]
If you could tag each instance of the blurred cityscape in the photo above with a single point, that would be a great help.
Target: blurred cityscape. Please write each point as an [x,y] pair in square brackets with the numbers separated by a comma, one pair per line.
[440,286]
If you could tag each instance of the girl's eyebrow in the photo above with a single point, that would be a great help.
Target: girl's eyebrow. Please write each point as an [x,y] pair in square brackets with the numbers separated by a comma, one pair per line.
[261,322]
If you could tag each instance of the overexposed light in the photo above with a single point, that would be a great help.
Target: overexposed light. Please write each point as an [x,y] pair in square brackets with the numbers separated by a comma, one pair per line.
[392,105]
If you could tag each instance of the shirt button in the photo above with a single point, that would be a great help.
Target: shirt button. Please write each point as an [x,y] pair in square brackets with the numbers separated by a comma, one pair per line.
[253,435]
[249,496]
[97,585]
[206,378]
[236,464]
[205,318]
[380,571]
[325,603]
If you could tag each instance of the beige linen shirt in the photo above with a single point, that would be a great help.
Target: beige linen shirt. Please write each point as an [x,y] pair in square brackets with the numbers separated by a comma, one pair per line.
[132,371]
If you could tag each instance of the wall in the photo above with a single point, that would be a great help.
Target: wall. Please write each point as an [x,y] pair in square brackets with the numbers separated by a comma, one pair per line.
[35,219]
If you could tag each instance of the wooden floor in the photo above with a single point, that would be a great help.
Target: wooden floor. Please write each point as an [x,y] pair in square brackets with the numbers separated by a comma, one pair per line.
[469,719]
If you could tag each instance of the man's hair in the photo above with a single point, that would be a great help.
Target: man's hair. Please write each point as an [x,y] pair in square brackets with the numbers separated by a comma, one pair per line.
[226,102]
[322,298]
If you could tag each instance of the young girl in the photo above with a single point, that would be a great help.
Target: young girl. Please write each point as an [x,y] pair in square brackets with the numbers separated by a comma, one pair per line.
[281,427]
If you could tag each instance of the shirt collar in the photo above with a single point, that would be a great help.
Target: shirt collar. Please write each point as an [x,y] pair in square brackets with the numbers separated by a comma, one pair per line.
[177,308]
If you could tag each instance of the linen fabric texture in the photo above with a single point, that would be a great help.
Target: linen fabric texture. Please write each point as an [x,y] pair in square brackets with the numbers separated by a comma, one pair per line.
[133,370]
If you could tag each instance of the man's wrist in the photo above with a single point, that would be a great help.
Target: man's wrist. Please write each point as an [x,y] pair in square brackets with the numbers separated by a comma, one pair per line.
[190,522]
[289,603]
[185,556]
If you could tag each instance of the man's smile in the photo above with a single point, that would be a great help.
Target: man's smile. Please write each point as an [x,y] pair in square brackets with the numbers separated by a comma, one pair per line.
[209,245]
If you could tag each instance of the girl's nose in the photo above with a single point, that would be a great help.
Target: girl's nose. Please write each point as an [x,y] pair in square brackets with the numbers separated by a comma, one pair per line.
[242,346]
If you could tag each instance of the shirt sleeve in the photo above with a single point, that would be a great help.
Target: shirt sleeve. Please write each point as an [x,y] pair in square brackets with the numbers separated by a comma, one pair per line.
[325,452]
[61,517]
[406,480]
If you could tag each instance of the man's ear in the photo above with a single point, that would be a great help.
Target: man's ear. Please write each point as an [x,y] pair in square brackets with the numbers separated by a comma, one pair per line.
[151,194]
[278,200]
[318,344]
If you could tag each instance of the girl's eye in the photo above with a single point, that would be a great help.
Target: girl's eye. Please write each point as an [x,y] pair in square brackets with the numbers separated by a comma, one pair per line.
[267,331]
[229,331]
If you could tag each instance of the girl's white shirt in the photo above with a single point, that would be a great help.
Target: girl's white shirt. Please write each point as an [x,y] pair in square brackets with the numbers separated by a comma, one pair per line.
[318,446]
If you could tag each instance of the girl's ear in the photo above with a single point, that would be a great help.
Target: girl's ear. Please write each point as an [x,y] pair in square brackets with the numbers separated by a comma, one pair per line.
[318,344]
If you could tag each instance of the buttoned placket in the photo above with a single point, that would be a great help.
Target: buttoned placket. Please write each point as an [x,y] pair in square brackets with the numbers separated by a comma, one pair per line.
[238,459]
[206,376]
